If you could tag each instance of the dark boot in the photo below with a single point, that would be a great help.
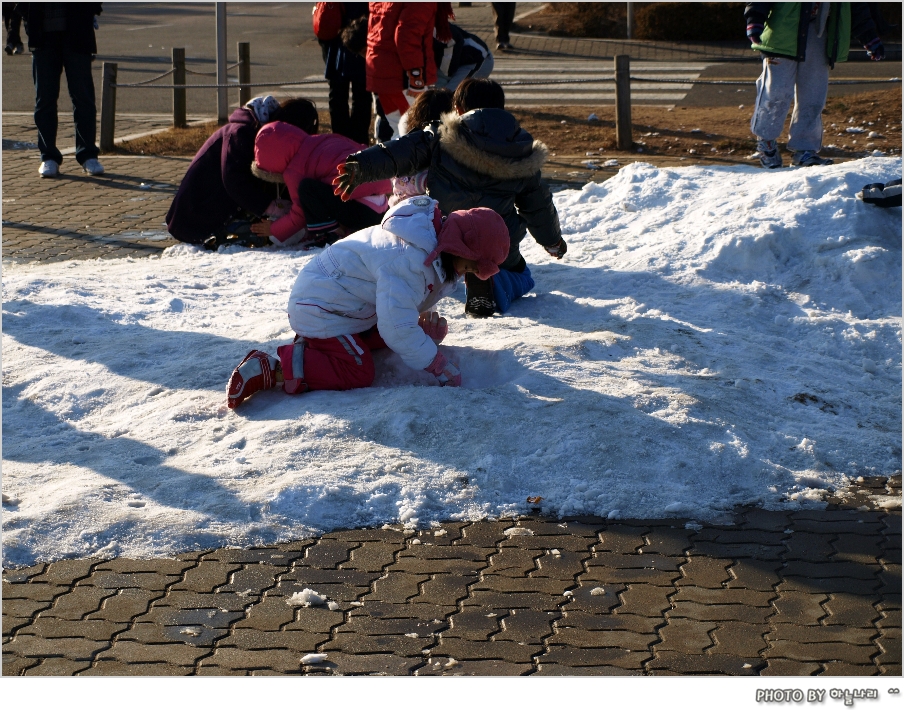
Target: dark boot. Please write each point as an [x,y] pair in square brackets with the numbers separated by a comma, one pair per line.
[479,301]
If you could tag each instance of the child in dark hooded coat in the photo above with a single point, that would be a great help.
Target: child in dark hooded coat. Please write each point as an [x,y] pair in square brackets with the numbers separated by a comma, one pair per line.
[477,155]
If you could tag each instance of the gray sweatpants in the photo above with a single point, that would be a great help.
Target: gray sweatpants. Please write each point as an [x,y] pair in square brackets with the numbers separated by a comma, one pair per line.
[807,83]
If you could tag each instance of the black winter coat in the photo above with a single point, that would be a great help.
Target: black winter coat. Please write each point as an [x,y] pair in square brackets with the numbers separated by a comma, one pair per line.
[79,34]
[481,159]
[463,49]
[340,63]
[219,182]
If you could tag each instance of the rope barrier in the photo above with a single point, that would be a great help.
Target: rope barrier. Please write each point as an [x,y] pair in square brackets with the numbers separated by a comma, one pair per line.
[210,73]
[224,86]
[727,82]
[541,82]
[148,81]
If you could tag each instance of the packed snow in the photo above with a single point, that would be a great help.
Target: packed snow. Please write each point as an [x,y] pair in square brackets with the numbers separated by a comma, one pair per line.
[715,336]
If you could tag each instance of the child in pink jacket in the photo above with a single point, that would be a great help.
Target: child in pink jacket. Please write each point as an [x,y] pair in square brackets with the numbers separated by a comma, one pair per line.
[307,165]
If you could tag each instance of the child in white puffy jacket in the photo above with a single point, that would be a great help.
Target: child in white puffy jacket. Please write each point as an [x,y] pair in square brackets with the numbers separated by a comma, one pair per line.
[374,289]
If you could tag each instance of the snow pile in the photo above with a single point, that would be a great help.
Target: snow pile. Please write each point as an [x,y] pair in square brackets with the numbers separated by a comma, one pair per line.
[310,659]
[306,597]
[714,337]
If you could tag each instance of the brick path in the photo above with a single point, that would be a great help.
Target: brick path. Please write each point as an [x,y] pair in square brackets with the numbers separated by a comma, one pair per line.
[82,217]
[807,593]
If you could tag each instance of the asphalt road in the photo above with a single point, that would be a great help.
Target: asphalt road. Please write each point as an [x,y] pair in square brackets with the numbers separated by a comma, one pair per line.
[140,38]
[715,95]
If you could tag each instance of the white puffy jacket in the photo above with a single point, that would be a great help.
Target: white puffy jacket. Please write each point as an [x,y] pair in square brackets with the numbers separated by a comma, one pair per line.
[375,276]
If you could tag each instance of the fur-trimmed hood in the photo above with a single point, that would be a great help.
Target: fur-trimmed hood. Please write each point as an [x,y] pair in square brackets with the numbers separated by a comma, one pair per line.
[490,142]
[266,176]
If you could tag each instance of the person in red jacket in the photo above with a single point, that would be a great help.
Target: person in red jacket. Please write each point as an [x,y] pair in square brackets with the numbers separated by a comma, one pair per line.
[399,60]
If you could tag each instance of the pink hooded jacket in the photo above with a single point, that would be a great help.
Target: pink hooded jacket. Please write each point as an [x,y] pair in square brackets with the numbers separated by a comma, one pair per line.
[284,153]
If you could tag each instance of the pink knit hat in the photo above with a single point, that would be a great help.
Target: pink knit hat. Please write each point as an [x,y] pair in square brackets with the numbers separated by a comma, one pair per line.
[479,234]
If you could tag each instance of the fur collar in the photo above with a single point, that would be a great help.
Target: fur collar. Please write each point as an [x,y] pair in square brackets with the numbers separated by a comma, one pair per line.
[483,162]
[265,176]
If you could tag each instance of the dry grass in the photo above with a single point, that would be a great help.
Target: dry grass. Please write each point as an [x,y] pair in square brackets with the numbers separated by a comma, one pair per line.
[184,141]
[724,134]
[174,141]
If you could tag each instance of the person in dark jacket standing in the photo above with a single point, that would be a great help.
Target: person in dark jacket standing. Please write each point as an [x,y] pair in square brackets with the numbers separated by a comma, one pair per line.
[219,185]
[344,69]
[800,42]
[504,16]
[476,156]
[12,21]
[61,36]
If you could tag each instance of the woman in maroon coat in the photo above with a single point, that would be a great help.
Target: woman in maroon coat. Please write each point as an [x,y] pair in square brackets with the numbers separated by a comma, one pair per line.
[400,62]
[218,186]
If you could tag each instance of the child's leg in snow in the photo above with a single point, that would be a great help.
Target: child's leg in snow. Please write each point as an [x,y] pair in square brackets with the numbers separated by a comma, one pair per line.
[325,211]
[509,286]
[340,363]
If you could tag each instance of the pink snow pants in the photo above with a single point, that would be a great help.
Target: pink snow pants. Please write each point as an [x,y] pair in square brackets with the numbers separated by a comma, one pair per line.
[341,363]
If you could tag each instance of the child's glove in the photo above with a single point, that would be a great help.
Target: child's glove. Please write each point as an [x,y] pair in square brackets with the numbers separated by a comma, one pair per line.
[875,49]
[445,371]
[347,180]
[416,83]
[435,327]
[754,30]
[558,249]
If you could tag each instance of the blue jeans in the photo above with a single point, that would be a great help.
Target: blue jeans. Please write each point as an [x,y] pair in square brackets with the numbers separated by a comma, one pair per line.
[47,66]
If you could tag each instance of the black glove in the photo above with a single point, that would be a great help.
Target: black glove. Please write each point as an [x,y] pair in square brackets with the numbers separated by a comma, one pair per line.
[875,49]
[558,249]
[347,180]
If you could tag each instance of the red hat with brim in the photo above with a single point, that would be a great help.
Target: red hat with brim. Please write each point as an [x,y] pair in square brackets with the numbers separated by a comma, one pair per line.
[478,234]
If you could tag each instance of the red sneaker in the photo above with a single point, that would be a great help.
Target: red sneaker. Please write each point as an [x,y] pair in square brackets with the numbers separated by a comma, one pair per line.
[254,373]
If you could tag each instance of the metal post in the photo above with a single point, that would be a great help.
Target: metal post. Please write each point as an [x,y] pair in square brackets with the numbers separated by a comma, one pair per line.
[623,136]
[222,96]
[179,106]
[630,20]
[244,72]
[108,106]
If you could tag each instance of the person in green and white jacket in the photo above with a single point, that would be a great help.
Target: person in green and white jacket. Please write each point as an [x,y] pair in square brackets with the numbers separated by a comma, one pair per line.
[800,42]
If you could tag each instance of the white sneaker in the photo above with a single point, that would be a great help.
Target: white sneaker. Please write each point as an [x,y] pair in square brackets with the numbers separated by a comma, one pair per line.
[93,167]
[49,168]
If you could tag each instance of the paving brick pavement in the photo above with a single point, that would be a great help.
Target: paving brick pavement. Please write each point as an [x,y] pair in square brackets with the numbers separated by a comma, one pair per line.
[77,216]
[771,594]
